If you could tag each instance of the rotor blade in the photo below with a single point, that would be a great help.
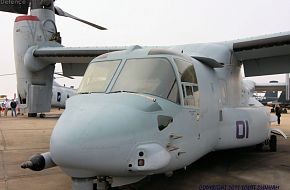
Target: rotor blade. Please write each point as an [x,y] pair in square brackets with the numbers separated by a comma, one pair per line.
[60,12]
[20,7]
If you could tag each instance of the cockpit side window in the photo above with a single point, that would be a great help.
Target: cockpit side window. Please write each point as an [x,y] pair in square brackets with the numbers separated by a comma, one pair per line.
[189,82]
[153,76]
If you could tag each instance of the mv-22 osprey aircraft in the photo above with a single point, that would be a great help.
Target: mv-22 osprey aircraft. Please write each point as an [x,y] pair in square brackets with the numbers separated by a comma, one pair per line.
[147,110]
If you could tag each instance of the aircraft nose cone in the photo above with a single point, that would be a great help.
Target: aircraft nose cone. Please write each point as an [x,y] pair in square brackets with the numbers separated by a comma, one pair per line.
[96,138]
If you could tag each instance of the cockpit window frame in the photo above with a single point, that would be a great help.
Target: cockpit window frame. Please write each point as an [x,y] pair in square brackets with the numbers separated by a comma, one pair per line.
[180,100]
[168,58]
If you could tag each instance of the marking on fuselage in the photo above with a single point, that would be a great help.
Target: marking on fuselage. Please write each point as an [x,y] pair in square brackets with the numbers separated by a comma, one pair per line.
[242,129]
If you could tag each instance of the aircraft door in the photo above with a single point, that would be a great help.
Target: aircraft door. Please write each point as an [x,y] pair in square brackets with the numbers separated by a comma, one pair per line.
[191,102]
[190,91]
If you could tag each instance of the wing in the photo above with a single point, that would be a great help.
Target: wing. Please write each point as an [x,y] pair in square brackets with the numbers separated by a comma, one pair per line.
[264,55]
[74,60]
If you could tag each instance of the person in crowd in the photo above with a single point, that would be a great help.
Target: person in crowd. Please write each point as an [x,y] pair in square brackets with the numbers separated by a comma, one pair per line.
[278,111]
[6,107]
[13,106]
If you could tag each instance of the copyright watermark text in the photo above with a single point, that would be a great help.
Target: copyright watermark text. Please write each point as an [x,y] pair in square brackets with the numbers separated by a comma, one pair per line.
[238,187]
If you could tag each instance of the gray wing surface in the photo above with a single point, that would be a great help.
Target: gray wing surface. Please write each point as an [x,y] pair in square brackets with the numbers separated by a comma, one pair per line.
[74,60]
[264,55]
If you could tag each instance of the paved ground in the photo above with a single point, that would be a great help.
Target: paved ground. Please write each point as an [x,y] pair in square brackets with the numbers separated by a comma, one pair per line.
[20,138]
[237,169]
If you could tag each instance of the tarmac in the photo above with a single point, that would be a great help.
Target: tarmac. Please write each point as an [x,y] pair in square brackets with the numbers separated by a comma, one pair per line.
[239,169]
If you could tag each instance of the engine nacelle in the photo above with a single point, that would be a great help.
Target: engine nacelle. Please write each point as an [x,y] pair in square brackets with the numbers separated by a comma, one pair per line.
[34,77]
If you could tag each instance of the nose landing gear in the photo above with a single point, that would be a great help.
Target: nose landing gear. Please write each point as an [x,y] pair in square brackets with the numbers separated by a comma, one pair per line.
[100,183]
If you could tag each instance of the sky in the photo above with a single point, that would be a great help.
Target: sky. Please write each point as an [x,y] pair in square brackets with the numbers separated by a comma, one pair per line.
[153,22]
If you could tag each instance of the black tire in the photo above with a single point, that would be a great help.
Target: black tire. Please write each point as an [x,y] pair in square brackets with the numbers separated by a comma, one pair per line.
[42,115]
[32,114]
[273,143]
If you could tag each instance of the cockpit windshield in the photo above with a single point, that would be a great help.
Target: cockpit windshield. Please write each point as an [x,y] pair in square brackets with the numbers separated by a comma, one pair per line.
[98,76]
[153,76]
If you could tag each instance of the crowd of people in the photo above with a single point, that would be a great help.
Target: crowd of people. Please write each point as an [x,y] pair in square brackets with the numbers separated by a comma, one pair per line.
[8,105]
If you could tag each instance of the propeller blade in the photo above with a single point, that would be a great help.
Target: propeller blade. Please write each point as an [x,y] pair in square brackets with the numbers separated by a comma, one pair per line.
[20,7]
[60,12]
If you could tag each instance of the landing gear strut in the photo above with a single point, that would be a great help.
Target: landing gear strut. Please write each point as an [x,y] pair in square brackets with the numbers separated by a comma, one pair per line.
[272,143]
[102,183]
